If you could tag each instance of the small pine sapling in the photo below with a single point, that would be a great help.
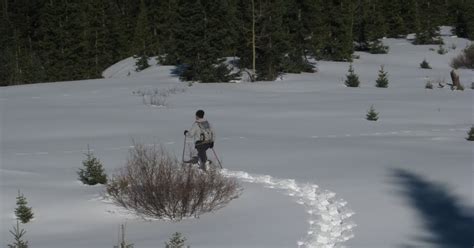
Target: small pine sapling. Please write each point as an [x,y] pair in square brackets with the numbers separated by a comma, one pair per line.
[93,171]
[382,80]
[18,234]
[425,65]
[352,79]
[372,115]
[176,241]
[470,134]
[23,213]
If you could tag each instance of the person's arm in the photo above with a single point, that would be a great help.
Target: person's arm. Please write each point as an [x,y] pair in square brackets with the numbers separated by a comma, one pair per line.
[193,131]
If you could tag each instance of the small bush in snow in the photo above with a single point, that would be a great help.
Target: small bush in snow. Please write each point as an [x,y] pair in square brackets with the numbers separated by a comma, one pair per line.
[93,172]
[453,46]
[153,183]
[377,47]
[372,115]
[470,134]
[158,97]
[142,62]
[22,212]
[352,79]
[18,234]
[441,50]
[465,59]
[176,241]
[472,86]
[425,65]
[382,80]
[429,85]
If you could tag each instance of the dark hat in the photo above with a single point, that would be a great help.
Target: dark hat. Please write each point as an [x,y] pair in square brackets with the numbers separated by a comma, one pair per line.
[200,113]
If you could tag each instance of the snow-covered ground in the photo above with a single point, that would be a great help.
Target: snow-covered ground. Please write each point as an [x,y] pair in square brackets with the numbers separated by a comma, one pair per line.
[306,156]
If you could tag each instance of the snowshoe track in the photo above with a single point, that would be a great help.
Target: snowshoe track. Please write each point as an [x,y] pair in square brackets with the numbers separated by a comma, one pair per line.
[329,217]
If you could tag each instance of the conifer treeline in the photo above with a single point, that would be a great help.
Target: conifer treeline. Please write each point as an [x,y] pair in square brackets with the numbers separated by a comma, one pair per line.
[54,40]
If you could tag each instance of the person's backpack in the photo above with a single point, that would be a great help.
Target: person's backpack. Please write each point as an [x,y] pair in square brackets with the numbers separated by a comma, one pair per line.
[206,135]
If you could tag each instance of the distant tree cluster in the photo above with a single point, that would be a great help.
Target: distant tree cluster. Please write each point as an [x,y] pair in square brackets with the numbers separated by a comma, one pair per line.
[58,40]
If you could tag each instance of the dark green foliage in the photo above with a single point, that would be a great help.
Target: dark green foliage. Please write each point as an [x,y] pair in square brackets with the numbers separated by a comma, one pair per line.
[23,213]
[339,18]
[93,172]
[427,21]
[199,39]
[143,37]
[176,241]
[382,80]
[470,134]
[394,18]
[377,47]
[18,234]
[372,115]
[142,62]
[59,40]
[425,65]
[352,79]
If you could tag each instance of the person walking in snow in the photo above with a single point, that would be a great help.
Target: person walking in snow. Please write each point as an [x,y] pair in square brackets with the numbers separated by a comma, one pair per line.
[203,136]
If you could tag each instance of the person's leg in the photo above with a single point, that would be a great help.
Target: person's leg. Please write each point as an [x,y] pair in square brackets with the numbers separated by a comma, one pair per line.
[201,148]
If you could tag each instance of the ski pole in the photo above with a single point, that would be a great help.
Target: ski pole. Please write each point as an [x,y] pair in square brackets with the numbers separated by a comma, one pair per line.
[184,148]
[215,154]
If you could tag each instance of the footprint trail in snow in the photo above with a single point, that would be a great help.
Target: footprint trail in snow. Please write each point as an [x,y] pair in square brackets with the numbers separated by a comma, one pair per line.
[328,216]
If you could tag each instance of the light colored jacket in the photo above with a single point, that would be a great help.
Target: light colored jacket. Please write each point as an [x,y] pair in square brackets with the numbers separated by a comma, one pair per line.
[198,128]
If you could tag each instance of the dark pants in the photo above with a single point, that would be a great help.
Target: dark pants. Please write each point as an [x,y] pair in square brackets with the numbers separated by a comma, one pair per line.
[202,148]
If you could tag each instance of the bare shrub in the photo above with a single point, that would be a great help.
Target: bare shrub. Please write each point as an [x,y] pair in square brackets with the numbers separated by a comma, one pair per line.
[158,97]
[465,59]
[154,184]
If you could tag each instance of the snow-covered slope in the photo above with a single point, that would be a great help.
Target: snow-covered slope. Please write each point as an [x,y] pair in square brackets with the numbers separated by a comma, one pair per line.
[308,127]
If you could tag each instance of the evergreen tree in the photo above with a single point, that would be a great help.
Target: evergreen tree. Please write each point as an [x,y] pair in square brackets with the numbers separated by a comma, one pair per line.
[22,211]
[18,234]
[60,42]
[352,79]
[410,15]
[197,41]
[393,13]
[93,172]
[470,134]
[101,36]
[338,16]
[295,61]
[462,12]
[168,31]
[314,31]
[142,62]
[176,241]
[376,28]
[142,39]
[360,27]
[427,30]
[272,41]
[382,80]
[372,115]
[425,65]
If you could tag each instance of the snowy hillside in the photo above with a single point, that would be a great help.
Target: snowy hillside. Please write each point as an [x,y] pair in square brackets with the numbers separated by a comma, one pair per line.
[315,172]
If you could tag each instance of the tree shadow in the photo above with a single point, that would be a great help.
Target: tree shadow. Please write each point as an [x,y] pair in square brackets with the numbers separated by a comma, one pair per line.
[446,219]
